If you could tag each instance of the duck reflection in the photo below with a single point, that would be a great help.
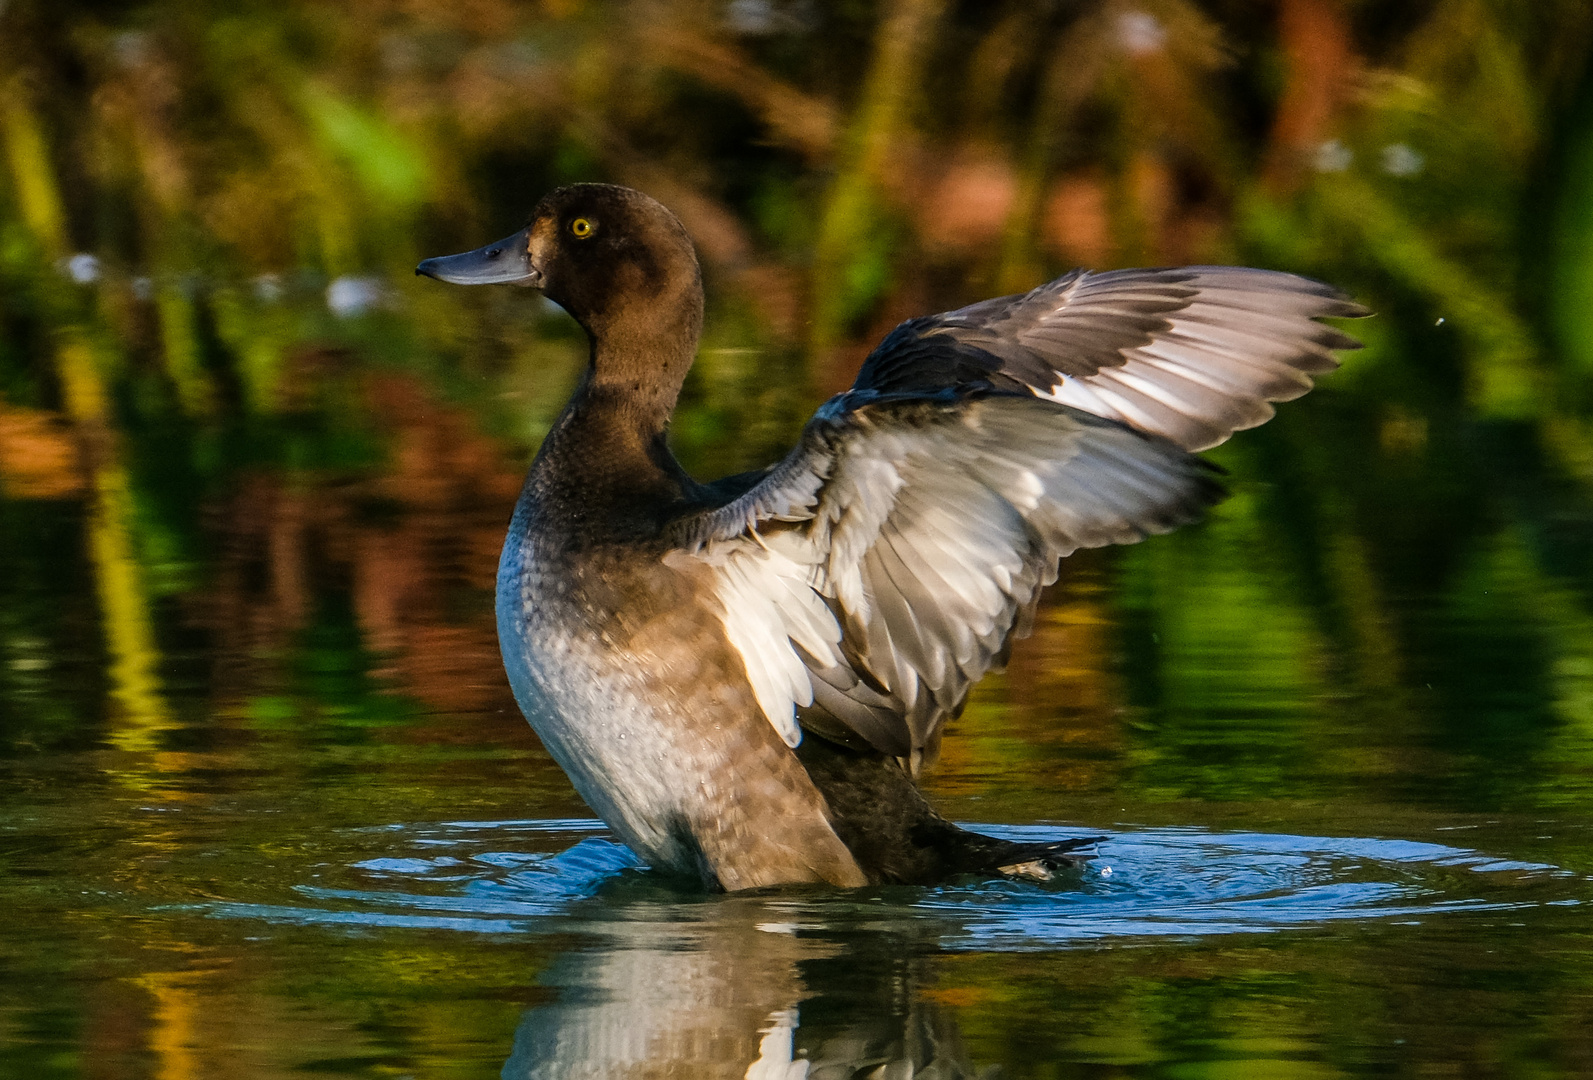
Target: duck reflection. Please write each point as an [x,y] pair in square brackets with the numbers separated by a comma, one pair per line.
[743,988]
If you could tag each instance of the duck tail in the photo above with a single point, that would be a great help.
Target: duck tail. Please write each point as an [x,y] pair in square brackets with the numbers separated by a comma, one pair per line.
[1044,862]
[897,837]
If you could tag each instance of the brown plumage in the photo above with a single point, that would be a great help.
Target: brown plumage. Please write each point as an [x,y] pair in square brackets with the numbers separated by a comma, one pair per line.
[743,678]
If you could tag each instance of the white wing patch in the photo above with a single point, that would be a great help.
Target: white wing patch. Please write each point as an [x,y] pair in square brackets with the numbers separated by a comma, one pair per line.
[768,604]
[885,565]
[931,536]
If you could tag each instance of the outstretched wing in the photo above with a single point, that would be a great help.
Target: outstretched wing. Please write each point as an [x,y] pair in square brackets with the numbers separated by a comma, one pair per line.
[885,565]
[1192,354]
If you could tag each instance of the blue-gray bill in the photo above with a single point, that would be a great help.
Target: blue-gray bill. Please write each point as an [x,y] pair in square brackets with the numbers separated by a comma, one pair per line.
[506,262]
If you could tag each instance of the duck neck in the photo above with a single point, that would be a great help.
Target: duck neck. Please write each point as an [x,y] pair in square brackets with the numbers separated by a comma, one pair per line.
[607,460]
[639,362]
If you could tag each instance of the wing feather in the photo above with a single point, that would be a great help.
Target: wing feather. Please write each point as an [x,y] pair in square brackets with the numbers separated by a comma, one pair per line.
[870,578]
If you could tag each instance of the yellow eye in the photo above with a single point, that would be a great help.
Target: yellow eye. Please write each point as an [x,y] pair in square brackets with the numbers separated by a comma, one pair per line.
[581,228]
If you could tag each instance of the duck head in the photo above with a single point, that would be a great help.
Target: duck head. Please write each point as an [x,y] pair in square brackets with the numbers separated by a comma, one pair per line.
[610,256]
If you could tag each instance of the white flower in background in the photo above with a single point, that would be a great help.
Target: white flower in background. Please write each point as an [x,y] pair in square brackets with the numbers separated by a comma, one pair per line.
[758,18]
[348,295]
[268,289]
[82,268]
[1140,33]
[1332,156]
[1400,160]
[143,288]
[130,48]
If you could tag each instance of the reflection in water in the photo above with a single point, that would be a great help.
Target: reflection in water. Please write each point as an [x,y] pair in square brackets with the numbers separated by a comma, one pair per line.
[174,1036]
[410,552]
[832,986]
[663,980]
[723,996]
[129,629]
[716,995]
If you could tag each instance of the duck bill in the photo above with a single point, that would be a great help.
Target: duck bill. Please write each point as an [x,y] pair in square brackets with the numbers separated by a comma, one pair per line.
[507,262]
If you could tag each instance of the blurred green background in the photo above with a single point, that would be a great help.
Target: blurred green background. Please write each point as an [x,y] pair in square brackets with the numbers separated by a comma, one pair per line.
[232,422]
[254,476]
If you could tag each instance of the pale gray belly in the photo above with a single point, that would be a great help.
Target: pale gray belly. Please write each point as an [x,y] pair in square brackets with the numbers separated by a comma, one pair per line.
[623,668]
[594,717]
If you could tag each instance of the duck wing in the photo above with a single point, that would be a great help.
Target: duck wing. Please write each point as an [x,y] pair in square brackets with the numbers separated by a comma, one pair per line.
[886,564]
[1192,354]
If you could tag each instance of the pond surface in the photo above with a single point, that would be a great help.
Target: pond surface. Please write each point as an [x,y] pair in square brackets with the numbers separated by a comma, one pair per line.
[318,913]
[320,841]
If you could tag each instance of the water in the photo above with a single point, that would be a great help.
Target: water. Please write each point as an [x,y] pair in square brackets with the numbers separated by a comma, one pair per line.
[369,898]
[661,977]
[272,812]
[1146,883]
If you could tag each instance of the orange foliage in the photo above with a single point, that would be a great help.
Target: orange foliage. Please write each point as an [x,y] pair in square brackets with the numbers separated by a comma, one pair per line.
[38,456]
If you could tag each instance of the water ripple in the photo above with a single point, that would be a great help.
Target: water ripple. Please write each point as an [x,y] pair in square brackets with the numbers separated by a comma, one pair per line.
[1145,883]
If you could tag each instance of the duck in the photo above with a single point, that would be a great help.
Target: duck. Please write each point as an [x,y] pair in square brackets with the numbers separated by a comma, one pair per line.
[746,678]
